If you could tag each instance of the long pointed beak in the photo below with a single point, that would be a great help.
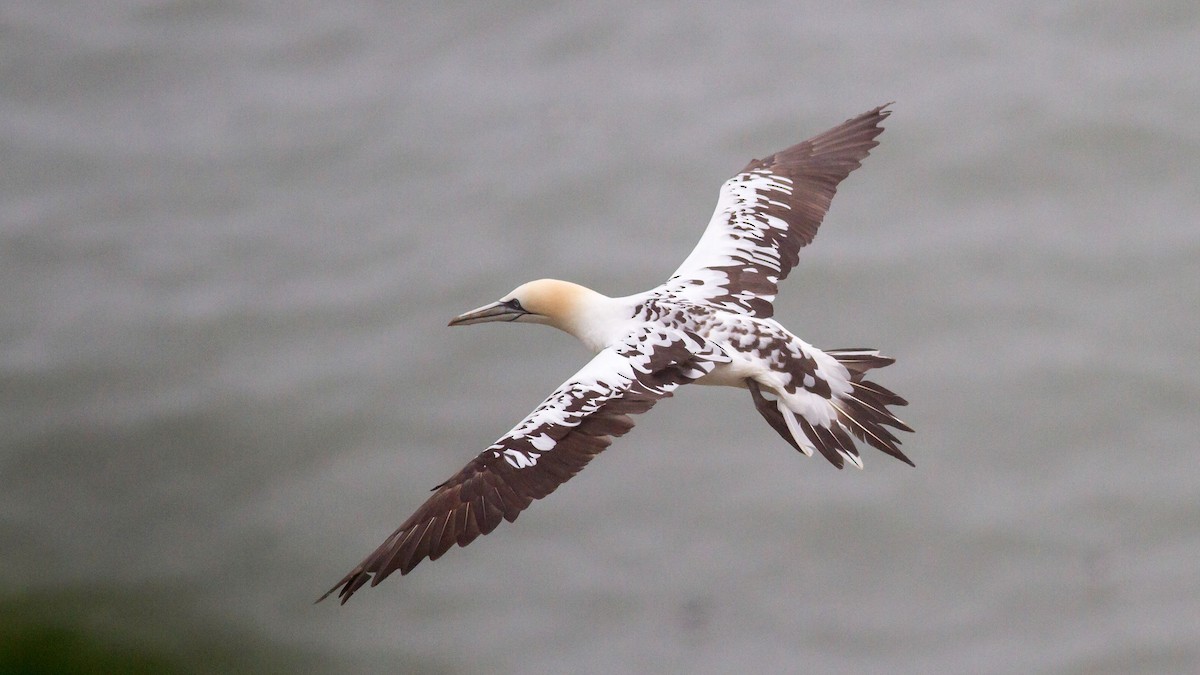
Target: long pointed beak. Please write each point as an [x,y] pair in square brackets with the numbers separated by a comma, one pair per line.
[496,311]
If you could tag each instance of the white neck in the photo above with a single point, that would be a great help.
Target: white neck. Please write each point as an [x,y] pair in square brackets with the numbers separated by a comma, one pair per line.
[594,319]
[598,321]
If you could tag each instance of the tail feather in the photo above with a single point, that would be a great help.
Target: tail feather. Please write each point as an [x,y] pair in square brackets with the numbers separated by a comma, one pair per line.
[830,445]
[859,360]
[862,413]
[770,410]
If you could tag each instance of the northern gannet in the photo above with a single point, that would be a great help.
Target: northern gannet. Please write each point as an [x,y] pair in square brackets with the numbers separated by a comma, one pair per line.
[710,323]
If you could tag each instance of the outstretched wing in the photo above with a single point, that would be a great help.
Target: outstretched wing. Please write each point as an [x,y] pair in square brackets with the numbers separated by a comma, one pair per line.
[549,446]
[766,214]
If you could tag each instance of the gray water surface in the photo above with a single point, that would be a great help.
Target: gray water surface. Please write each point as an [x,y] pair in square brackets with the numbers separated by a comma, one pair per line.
[231,234]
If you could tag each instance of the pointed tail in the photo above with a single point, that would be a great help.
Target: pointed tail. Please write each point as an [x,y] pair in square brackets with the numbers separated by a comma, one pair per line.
[862,413]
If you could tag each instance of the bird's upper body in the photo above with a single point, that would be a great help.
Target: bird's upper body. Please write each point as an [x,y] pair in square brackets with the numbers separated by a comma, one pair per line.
[710,323]
[748,346]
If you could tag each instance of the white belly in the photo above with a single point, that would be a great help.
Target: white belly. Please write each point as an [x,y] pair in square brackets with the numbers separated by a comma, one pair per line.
[734,373]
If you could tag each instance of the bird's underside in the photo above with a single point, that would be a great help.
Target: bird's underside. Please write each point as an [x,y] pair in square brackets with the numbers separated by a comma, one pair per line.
[710,322]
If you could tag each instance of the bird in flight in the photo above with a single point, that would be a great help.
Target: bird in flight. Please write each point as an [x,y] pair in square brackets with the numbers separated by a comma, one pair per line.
[710,323]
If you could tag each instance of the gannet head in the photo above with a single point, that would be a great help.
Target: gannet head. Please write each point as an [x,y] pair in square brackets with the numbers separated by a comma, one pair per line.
[546,301]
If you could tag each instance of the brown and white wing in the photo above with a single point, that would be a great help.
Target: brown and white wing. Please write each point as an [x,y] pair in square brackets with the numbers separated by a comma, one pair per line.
[544,450]
[766,214]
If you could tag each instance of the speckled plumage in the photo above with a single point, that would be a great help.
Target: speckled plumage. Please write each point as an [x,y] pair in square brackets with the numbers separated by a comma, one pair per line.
[709,323]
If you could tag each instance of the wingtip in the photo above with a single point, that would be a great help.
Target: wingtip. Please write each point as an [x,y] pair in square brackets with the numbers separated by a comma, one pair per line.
[329,593]
[346,587]
[873,118]
[331,590]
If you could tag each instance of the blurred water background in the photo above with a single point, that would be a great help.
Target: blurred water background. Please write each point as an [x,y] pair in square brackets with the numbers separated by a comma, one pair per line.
[232,232]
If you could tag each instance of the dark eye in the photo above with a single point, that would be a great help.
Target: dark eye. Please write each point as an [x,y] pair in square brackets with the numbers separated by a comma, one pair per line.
[515,304]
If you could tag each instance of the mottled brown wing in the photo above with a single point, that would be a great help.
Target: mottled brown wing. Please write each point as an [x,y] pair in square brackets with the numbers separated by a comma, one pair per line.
[766,214]
[547,448]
